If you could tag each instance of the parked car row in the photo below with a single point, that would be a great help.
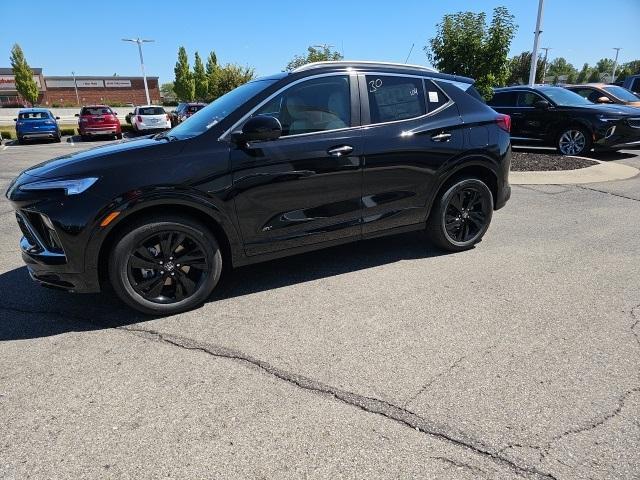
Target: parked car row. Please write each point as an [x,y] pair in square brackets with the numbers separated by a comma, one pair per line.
[574,119]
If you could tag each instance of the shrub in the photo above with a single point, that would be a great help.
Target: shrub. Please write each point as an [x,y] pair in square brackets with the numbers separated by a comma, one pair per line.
[67,131]
[6,134]
[56,105]
[126,128]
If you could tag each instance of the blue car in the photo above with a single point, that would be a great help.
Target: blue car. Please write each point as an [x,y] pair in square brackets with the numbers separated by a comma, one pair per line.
[35,124]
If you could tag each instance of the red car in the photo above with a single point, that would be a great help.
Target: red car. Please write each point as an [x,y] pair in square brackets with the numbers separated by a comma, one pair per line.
[98,120]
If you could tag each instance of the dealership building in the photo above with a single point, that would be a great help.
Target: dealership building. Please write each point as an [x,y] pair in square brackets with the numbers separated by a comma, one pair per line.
[80,90]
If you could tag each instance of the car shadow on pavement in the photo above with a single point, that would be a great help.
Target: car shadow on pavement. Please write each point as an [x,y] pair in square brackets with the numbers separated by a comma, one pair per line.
[30,311]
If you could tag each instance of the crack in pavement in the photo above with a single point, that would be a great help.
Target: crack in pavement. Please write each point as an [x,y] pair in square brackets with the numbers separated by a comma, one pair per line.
[593,424]
[458,464]
[435,378]
[367,404]
[607,193]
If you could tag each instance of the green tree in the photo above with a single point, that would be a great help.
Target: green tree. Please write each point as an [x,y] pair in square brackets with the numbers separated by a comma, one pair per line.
[166,90]
[519,67]
[231,76]
[464,45]
[200,79]
[560,66]
[184,85]
[633,67]
[212,76]
[595,76]
[25,84]
[571,79]
[556,80]
[314,54]
[584,73]
[604,65]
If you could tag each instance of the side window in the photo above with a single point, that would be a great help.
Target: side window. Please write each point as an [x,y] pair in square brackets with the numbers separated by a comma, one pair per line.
[583,92]
[595,95]
[435,97]
[394,98]
[527,99]
[314,105]
[503,99]
[635,86]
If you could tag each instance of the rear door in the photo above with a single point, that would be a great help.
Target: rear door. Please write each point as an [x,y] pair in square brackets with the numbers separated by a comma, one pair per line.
[412,128]
[305,187]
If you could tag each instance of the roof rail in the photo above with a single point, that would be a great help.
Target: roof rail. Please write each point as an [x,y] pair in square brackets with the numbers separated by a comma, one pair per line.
[355,63]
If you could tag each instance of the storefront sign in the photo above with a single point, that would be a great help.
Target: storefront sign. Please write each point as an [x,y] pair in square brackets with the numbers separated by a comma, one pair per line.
[8,82]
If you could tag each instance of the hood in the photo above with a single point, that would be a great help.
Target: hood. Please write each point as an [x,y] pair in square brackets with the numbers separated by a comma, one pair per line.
[616,109]
[125,155]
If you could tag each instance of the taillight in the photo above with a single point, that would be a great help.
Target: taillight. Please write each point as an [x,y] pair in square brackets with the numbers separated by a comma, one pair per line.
[504,122]
[139,119]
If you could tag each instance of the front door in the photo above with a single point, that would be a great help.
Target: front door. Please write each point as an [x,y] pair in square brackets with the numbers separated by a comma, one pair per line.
[305,187]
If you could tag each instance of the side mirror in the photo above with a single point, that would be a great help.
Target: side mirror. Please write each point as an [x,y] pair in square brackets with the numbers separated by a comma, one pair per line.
[115,113]
[603,99]
[57,118]
[15,119]
[260,127]
[77,114]
[542,105]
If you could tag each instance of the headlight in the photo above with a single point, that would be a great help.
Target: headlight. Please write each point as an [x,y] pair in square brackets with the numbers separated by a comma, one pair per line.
[70,186]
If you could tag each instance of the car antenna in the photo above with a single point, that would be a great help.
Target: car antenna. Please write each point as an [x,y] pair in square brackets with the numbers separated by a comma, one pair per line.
[410,50]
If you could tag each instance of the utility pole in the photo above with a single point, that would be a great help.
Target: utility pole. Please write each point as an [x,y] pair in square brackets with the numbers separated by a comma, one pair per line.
[615,64]
[140,41]
[75,86]
[534,53]
[544,70]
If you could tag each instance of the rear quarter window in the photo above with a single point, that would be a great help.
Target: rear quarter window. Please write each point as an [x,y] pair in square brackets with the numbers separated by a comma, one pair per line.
[503,99]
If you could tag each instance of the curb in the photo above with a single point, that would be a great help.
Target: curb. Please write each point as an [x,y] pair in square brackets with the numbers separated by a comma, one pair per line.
[603,172]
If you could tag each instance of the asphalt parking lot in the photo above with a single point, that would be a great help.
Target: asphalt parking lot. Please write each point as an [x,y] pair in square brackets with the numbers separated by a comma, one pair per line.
[382,359]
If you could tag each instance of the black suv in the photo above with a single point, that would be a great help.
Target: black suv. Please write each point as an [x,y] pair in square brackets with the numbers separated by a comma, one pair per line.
[554,116]
[327,154]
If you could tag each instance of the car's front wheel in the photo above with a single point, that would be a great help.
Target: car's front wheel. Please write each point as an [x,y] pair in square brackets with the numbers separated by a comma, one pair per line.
[573,141]
[461,215]
[165,264]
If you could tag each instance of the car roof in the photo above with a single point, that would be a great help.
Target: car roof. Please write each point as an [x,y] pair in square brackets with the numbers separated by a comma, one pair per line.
[96,106]
[149,106]
[525,87]
[593,85]
[385,67]
[33,110]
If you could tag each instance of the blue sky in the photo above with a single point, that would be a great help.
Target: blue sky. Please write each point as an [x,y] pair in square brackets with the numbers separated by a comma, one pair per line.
[60,37]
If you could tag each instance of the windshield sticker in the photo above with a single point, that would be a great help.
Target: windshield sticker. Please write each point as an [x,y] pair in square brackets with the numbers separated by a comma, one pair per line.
[433,97]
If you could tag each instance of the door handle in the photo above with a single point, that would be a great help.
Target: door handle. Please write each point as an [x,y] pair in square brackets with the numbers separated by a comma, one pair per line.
[516,114]
[441,137]
[340,151]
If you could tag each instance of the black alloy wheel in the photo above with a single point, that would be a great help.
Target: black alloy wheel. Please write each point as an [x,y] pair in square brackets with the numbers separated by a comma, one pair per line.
[461,216]
[167,265]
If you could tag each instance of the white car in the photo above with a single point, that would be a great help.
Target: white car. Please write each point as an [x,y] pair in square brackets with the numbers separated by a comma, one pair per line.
[150,117]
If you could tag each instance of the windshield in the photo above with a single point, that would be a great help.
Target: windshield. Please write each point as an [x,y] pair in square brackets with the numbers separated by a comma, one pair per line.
[217,110]
[565,98]
[622,93]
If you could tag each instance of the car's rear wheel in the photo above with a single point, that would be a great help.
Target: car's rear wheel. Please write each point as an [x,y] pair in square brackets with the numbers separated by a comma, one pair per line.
[573,141]
[118,136]
[165,264]
[58,138]
[461,215]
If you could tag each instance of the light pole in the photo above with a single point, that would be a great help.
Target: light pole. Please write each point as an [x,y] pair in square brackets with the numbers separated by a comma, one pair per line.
[615,64]
[140,41]
[75,86]
[534,53]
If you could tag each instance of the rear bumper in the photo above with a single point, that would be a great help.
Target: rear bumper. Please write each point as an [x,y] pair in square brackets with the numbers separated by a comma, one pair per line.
[102,130]
[37,134]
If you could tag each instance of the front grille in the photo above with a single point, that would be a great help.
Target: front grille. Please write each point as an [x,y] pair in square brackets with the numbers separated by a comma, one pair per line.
[634,122]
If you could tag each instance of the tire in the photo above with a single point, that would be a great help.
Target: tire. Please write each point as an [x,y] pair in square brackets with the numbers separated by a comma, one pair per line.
[21,141]
[145,271]
[574,141]
[84,138]
[58,138]
[118,136]
[453,224]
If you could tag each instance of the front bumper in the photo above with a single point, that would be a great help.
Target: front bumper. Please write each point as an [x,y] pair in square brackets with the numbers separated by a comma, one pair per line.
[49,266]
[624,134]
